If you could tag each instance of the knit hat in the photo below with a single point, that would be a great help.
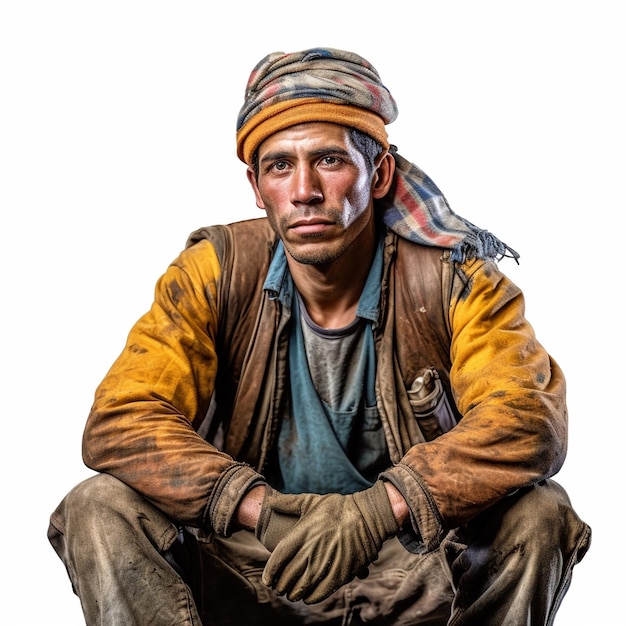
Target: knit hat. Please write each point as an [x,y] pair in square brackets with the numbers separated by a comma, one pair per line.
[321,85]
[330,85]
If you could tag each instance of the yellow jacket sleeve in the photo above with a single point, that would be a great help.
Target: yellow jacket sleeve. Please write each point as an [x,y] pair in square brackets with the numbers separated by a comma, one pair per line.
[511,396]
[142,426]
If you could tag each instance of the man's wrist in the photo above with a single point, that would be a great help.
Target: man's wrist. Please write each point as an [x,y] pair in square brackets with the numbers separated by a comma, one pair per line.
[249,509]
[398,504]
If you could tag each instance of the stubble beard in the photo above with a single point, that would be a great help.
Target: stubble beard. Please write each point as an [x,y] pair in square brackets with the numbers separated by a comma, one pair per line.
[321,254]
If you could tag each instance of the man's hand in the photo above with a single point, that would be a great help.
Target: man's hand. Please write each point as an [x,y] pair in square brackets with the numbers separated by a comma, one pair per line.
[271,514]
[280,512]
[336,538]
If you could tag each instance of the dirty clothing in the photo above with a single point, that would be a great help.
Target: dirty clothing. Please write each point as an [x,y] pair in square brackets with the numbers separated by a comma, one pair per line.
[211,356]
[189,415]
[332,411]
[130,564]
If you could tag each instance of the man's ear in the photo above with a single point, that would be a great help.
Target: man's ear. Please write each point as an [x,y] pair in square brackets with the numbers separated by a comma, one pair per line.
[383,176]
[251,174]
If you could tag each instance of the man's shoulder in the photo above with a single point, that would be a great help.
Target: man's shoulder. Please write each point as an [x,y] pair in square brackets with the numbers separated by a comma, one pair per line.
[243,249]
[252,233]
[417,253]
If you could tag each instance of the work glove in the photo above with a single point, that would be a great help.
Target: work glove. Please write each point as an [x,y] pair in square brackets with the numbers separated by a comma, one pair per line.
[336,539]
[280,512]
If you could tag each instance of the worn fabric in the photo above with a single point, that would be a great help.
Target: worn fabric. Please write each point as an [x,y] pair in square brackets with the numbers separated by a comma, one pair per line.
[130,564]
[332,412]
[214,342]
[279,513]
[317,557]
[417,210]
[331,85]
[324,460]
[321,84]
[188,415]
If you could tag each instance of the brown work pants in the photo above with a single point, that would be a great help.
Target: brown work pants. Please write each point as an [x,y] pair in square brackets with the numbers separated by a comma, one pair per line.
[131,565]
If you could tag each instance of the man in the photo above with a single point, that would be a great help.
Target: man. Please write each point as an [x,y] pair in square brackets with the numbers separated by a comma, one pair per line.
[336,414]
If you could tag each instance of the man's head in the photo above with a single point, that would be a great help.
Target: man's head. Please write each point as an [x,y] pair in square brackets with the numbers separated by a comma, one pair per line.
[312,131]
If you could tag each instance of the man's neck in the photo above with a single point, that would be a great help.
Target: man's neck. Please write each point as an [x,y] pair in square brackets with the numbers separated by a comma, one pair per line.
[331,292]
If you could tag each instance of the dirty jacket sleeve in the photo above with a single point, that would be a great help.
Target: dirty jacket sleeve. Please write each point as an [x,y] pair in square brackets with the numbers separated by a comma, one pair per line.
[142,426]
[511,398]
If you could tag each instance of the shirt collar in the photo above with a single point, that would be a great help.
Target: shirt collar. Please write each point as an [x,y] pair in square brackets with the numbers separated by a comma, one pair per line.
[279,284]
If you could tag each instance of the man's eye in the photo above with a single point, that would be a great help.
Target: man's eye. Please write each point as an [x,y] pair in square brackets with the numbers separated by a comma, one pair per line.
[330,160]
[280,166]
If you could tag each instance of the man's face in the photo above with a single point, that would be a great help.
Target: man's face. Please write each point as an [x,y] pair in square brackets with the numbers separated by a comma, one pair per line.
[316,190]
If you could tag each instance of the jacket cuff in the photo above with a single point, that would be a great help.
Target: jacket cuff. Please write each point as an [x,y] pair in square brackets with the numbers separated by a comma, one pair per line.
[229,489]
[426,530]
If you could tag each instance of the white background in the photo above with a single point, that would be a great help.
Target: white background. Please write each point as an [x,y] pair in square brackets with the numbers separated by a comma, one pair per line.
[117,139]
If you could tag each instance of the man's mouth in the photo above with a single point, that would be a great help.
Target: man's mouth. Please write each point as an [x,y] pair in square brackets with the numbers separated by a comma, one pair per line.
[310,227]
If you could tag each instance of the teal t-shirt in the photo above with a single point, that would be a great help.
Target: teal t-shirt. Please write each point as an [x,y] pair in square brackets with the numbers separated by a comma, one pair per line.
[331,438]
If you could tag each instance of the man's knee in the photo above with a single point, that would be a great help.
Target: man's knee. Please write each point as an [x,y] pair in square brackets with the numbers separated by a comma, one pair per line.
[91,502]
[103,506]
[533,511]
[544,513]
[538,520]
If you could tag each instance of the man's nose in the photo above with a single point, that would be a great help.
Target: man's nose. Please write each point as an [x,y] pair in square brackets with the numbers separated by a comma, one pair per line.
[306,186]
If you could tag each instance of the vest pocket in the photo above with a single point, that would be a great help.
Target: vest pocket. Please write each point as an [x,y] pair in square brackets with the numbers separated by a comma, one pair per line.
[430,404]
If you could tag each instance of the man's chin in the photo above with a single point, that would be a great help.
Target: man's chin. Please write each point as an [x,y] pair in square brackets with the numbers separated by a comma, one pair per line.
[316,255]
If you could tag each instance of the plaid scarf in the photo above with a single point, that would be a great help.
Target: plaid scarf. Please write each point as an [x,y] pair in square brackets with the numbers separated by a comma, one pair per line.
[325,84]
[415,209]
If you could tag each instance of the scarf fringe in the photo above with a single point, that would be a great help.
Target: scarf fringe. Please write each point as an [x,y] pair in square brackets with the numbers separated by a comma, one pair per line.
[482,244]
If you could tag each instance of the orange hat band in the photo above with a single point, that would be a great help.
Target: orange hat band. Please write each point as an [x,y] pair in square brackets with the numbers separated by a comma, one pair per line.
[281,115]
